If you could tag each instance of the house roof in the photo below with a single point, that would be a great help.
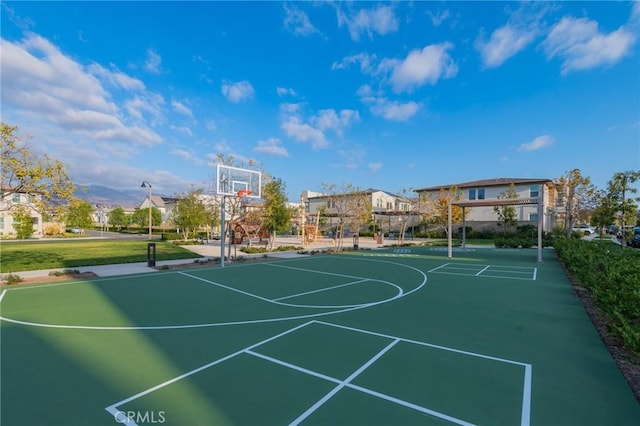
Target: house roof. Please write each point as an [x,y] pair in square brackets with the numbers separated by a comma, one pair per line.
[486,182]
[365,191]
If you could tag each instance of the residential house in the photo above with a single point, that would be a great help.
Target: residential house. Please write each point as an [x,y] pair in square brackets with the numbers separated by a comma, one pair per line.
[164,204]
[9,201]
[479,197]
[388,210]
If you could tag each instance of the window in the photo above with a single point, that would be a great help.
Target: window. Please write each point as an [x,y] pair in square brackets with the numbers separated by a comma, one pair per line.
[472,194]
[533,191]
[533,217]
[481,194]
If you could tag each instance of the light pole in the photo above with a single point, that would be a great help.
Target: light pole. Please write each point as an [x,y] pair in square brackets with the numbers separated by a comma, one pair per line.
[146,184]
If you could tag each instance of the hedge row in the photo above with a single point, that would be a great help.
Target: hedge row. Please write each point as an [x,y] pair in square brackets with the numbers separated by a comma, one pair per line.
[613,277]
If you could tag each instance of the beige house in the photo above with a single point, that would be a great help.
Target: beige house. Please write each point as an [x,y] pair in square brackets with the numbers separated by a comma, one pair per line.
[9,201]
[388,210]
[163,204]
[478,198]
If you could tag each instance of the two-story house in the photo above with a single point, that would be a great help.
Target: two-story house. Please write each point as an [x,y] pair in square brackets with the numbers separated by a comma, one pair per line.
[386,209]
[479,197]
[9,201]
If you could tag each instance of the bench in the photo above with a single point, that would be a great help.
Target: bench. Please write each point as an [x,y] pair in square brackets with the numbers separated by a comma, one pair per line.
[257,242]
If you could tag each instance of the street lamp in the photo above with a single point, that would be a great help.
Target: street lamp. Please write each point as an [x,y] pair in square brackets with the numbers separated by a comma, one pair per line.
[146,184]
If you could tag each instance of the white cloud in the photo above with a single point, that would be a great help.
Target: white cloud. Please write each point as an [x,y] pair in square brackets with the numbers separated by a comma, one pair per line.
[314,129]
[375,167]
[185,155]
[380,106]
[116,77]
[283,91]
[41,84]
[438,18]
[271,146]
[182,129]
[237,92]
[365,60]
[181,108]
[394,110]
[537,143]
[504,43]
[381,20]
[145,103]
[327,119]
[303,132]
[422,66]
[298,22]
[153,62]
[581,46]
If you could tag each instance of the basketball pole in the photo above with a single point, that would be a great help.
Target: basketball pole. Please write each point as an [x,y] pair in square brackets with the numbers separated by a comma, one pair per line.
[223,235]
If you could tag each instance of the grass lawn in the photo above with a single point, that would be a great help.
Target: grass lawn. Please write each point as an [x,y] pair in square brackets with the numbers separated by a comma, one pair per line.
[32,255]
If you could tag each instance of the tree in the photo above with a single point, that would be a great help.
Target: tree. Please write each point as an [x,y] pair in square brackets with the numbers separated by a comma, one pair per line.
[118,218]
[276,215]
[576,192]
[350,205]
[605,212]
[619,187]
[24,171]
[507,214]
[189,212]
[78,213]
[141,217]
[22,222]
[436,210]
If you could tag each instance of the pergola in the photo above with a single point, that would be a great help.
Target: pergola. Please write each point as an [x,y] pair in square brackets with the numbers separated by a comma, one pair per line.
[491,203]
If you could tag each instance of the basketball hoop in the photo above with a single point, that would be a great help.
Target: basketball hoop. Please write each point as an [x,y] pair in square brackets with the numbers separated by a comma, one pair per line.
[244,193]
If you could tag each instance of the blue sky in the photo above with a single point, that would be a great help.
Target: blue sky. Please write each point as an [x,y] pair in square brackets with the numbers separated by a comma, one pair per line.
[390,95]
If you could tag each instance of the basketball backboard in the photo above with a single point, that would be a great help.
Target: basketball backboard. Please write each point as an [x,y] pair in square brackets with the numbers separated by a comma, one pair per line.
[231,180]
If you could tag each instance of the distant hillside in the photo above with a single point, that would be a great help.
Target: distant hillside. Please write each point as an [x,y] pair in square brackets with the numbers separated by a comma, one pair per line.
[98,194]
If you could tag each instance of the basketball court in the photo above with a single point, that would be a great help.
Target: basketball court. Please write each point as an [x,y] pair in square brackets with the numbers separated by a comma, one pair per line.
[373,337]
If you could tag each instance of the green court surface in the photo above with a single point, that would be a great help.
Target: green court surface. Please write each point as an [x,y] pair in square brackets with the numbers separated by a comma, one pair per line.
[399,336]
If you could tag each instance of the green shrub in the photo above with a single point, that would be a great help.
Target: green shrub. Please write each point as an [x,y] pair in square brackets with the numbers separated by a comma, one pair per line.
[613,278]
[13,279]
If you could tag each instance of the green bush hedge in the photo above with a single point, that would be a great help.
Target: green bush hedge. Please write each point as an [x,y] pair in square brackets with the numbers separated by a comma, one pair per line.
[613,277]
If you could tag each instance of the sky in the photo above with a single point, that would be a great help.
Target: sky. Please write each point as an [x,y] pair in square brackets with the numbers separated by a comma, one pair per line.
[388,95]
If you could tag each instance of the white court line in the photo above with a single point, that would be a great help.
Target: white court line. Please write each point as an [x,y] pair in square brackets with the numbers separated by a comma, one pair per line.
[295,305]
[410,405]
[316,271]
[526,394]
[204,367]
[506,278]
[226,287]
[526,397]
[483,269]
[2,294]
[320,290]
[535,273]
[342,384]
[361,389]
[441,266]
[508,271]
[416,342]
[417,287]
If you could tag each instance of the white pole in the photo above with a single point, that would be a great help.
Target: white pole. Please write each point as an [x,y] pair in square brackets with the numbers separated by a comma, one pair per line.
[450,226]
[223,233]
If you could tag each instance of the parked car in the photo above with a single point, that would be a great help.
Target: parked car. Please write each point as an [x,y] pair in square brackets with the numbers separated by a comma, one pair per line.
[635,242]
[585,229]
